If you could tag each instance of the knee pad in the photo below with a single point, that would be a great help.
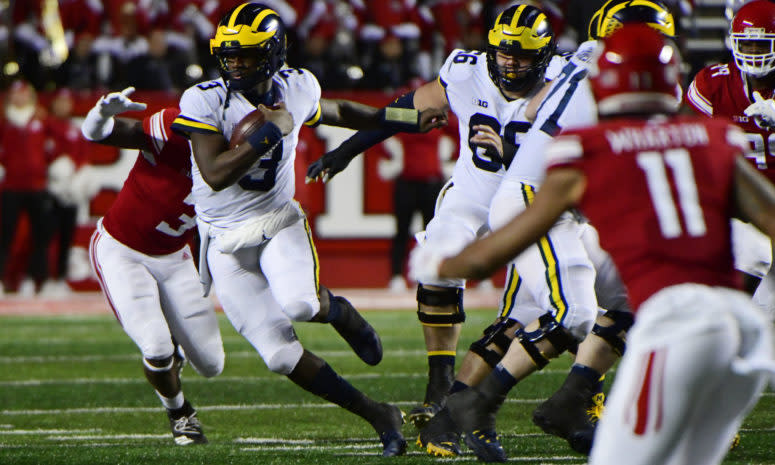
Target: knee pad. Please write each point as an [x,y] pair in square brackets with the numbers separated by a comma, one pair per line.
[495,334]
[278,346]
[451,296]
[212,366]
[301,310]
[623,321]
[560,338]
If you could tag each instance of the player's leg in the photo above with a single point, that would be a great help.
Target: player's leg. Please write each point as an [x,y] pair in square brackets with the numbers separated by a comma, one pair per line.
[458,220]
[132,293]
[190,316]
[289,262]
[252,308]
[573,410]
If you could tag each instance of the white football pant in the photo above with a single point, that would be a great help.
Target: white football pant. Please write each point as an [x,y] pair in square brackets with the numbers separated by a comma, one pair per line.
[157,298]
[679,395]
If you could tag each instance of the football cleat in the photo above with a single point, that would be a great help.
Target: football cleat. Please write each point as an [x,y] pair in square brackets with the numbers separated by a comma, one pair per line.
[358,333]
[185,426]
[571,413]
[486,446]
[422,414]
[388,426]
[735,442]
[440,436]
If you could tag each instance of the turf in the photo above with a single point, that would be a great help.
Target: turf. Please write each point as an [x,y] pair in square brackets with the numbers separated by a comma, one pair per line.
[72,392]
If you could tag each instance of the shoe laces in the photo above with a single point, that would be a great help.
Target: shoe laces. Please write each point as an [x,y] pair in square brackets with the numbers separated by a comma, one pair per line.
[187,424]
[595,411]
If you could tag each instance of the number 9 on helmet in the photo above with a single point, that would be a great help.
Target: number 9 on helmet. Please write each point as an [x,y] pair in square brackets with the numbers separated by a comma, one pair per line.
[252,31]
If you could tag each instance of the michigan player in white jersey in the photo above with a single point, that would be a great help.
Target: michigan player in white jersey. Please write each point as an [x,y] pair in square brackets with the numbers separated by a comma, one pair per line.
[564,256]
[489,93]
[256,243]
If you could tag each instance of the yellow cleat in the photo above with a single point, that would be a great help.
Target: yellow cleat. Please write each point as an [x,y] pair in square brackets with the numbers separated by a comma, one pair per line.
[596,410]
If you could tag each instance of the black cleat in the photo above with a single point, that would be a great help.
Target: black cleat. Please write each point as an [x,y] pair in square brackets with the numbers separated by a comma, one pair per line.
[422,414]
[388,426]
[354,329]
[571,413]
[185,426]
[440,436]
[486,446]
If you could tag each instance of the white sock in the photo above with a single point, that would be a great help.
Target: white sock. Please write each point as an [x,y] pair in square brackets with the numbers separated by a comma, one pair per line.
[171,403]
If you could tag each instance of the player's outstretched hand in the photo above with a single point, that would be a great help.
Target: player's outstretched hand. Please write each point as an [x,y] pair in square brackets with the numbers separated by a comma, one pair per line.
[279,115]
[118,102]
[327,166]
[763,110]
[432,118]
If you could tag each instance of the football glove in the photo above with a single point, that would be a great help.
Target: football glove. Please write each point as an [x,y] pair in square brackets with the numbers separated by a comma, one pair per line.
[763,111]
[327,166]
[98,123]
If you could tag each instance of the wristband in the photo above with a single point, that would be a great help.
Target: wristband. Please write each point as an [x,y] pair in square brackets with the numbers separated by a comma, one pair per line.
[265,137]
[96,127]
[400,119]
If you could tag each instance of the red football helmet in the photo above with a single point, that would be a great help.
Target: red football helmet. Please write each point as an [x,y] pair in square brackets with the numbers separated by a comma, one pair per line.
[637,71]
[753,38]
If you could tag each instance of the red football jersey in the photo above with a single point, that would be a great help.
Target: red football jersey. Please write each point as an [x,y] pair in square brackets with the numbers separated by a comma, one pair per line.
[154,213]
[659,193]
[720,90]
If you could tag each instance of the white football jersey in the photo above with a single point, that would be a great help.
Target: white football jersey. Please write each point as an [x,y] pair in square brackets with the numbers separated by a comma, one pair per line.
[568,104]
[476,100]
[269,183]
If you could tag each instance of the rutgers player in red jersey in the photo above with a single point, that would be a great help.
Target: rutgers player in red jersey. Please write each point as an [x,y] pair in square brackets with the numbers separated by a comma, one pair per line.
[661,190]
[141,255]
[743,91]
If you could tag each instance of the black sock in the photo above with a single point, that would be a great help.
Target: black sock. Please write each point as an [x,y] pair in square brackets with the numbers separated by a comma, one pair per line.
[328,385]
[441,373]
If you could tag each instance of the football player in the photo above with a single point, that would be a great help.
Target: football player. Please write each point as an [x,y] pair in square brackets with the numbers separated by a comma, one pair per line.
[256,242]
[489,92]
[559,278]
[677,181]
[141,257]
[743,90]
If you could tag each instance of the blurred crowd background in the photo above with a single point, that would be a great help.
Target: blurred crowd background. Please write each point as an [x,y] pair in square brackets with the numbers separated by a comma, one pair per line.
[348,44]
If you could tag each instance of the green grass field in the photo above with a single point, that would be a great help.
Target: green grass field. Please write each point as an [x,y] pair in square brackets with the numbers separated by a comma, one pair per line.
[72,392]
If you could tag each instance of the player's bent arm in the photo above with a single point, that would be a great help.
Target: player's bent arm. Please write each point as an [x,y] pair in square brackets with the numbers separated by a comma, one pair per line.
[126,133]
[754,197]
[220,166]
[561,190]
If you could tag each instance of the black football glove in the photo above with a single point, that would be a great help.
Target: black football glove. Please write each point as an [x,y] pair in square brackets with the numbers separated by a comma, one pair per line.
[327,166]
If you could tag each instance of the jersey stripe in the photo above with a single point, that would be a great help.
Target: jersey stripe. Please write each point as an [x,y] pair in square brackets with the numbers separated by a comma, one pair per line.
[698,100]
[186,125]
[315,120]
[316,262]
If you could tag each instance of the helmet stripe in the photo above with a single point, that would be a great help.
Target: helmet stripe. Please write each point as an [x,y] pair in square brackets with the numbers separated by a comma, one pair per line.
[235,14]
[260,17]
[517,16]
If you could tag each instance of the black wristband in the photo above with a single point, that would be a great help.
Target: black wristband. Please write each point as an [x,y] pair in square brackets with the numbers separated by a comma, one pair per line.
[265,137]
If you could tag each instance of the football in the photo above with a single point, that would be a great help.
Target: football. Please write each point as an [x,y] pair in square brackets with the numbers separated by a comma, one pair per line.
[247,125]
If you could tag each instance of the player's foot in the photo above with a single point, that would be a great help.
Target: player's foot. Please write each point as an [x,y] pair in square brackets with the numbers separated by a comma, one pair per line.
[440,436]
[571,413]
[735,442]
[486,446]
[474,414]
[185,426]
[422,414]
[354,329]
[388,425]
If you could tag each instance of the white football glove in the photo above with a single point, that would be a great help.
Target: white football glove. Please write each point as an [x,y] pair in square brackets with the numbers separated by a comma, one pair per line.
[424,264]
[762,110]
[98,123]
